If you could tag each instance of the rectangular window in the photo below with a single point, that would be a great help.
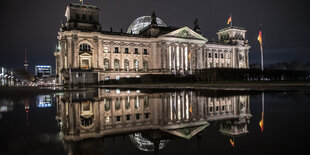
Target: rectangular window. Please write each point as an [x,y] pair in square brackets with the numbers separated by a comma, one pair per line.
[145,51]
[126,50]
[116,49]
[136,51]
[227,55]
[146,115]
[210,55]
[118,118]
[211,109]
[137,116]
[106,50]
[117,77]
[127,117]
[215,55]
[222,55]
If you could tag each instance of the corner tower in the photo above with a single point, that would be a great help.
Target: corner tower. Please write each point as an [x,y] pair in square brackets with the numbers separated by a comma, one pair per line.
[82,17]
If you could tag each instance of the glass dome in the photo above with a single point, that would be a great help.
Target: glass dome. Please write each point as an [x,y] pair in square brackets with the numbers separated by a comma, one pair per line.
[145,145]
[143,22]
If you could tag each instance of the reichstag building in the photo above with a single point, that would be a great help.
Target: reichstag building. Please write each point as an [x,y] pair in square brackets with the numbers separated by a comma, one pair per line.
[86,54]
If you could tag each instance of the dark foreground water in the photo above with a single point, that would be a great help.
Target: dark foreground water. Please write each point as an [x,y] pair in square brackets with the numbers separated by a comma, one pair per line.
[103,121]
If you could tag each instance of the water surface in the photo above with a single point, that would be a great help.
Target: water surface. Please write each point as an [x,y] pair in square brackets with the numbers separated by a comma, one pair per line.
[120,121]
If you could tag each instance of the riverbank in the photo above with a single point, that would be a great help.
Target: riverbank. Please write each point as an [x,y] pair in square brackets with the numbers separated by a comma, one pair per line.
[220,86]
[211,86]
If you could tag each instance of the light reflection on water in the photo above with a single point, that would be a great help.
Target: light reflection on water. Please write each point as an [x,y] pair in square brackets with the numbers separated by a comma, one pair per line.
[139,121]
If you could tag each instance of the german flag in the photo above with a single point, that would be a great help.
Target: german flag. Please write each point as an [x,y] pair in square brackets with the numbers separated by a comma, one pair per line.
[229,20]
[260,39]
[232,142]
[261,123]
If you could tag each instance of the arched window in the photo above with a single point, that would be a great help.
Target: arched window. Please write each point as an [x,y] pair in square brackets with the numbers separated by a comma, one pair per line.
[126,65]
[146,101]
[145,65]
[137,102]
[127,103]
[116,64]
[107,105]
[117,104]
[85,47]
[106,64]
[77,16]
[136,65]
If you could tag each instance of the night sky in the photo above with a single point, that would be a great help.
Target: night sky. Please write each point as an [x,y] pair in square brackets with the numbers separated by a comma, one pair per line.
[33,24]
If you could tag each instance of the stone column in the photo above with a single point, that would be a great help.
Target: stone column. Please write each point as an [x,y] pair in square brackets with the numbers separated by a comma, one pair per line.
[73,63]
[100,54]
[69,52]
[94,59]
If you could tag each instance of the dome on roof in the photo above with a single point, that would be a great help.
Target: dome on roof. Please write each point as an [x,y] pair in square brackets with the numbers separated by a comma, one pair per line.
[143,22]
[145,145]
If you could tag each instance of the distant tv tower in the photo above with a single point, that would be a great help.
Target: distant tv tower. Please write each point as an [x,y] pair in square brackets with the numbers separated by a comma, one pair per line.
[26,60]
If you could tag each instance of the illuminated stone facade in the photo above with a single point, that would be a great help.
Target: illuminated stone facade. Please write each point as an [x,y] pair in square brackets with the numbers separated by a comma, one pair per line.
[86,54]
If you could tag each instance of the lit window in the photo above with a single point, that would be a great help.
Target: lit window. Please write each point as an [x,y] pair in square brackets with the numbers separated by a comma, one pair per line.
[106,50]
[126,65]
[117,77]
[136,65]
[85,64]
[107,78]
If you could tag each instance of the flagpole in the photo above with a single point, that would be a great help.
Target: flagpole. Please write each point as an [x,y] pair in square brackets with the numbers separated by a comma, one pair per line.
[262,51]
[263,109]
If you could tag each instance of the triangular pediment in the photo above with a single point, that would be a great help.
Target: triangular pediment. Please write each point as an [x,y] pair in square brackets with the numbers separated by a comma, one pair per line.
[185,33]
[187,132]
[85,54]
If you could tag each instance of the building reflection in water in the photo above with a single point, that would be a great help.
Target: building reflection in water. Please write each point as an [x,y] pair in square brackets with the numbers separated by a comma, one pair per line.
[150,119]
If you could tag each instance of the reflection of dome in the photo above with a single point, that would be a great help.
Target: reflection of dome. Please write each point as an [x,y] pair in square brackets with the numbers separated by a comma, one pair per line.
[145,145]
[143,22]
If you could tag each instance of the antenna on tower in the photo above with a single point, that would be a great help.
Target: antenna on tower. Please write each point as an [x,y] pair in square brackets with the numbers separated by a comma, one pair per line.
[26,60]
